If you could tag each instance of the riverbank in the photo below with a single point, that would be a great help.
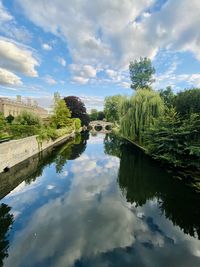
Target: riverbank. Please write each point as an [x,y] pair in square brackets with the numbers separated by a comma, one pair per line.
[189,176]
[16,151]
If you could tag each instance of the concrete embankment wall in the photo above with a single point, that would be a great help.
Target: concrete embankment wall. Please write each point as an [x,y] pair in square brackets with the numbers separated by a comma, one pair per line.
[16,151]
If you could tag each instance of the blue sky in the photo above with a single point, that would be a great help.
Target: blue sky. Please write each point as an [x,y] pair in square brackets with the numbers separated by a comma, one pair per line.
[83,48]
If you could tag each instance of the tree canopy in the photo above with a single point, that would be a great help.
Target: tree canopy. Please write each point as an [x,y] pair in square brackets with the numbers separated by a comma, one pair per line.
[61,113]
[112,107]
[77,108]
[188,102]
[139,112]
[141,73]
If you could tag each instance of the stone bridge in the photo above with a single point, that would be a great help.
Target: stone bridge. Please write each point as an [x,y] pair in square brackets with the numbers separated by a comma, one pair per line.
[101,126]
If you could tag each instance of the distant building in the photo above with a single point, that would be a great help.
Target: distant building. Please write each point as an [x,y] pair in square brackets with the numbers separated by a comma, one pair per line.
[15,107]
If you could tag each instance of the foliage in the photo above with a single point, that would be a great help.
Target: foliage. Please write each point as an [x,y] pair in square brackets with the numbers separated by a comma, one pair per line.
[168,96]
[77,124]
[77,108]
[138,113]
[6,221]
[9,118]
[174,141]
[101,115]
[141,73]
[96,115]
[2,120]
[2,125]
[93,114]
[17,131]
[112,106]
[188,102]
[61,113]
[27,118]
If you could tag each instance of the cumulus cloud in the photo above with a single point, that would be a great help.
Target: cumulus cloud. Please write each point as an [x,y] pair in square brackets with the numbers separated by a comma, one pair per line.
[48,79]
[46,47]
[4,14]
[111,33]
[17,58]
[62,61]
[10,28]
[9,78]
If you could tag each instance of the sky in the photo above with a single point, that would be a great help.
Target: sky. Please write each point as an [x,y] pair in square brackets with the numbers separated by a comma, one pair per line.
[84,47]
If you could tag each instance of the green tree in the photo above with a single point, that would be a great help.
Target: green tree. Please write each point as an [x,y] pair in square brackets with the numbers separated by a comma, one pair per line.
[188,102]
[112,106]
[61,114]
[9,118]
[2,120]
[27,118]
[100,116]
[174,141]
[93,114]
[138,113]
[141,73]
[168,96]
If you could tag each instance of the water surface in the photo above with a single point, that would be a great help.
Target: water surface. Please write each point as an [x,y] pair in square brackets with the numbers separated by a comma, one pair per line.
[97,202]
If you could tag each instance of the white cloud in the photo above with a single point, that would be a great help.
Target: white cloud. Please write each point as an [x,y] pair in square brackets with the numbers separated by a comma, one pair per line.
[62,61]
[9,27]
[4,14]
[17,58]
[108,34]
[48,79]
[9,78]
[80,80]
[46,47]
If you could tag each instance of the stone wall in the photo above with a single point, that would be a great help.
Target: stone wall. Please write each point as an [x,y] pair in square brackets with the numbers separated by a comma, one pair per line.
[16,151]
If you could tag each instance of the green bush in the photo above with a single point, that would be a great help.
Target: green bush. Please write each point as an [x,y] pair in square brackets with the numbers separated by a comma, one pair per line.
[27,118]
[21,131]
[77,124]
[175,141]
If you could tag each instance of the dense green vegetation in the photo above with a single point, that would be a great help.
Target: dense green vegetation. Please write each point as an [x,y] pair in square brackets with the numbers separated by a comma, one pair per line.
[141,73]
[165,124]
[96,115]
[27,124]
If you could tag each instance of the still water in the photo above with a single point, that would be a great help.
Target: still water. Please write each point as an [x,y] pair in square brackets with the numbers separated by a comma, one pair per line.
[96,202]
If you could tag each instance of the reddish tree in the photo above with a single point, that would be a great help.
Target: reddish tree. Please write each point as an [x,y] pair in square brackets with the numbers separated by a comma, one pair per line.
[77,108]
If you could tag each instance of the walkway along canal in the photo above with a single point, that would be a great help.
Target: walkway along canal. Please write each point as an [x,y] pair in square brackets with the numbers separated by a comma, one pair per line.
[97,202]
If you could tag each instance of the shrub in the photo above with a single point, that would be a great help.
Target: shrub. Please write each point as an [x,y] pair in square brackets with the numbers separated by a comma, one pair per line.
[27,118]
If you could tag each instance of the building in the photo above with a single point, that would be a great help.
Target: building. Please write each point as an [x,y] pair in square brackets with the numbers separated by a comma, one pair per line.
[15,107]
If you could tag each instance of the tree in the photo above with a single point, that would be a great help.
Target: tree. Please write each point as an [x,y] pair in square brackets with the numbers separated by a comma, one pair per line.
[101,115]
[112,107]
[77,108]
[168,96]
[141,73]
[188,102]
[27,118]
[138,113]
[93,114]
[175,141]
[2,121]
[61,113]
[9,118]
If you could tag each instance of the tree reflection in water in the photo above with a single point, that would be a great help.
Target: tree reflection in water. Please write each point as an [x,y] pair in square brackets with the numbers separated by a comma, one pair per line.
[6,220]
[142,179]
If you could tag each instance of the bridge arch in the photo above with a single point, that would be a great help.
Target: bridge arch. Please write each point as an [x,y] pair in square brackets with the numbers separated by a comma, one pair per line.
[100,126]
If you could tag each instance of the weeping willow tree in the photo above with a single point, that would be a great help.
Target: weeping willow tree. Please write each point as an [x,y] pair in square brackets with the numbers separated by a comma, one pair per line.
[139,112]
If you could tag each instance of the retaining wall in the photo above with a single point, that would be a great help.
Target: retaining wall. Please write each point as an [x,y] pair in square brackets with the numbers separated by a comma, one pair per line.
[16,151]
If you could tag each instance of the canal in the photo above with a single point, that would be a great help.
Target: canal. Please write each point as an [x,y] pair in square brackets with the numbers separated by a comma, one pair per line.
[97,202]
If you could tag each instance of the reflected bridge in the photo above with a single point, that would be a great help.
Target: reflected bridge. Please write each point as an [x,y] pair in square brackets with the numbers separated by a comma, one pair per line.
[101,126]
